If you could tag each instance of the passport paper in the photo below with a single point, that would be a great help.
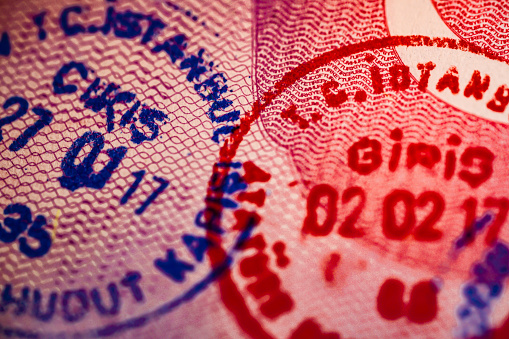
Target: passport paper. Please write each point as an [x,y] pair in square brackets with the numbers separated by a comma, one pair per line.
[254,169]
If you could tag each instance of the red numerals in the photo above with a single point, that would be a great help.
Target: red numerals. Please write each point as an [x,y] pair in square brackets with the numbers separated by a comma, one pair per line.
[311,224]
[316,198]
[347,228]
[391,228]
[500,205]
[394,225]
[424,231]
[399,220]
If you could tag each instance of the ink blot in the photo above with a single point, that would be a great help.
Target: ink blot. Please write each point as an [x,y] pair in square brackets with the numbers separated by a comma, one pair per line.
[331,266]
[279,248]
[309,328]
[422,307]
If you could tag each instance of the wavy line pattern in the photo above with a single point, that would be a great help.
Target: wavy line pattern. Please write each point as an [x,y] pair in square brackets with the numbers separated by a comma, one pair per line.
[485,23]
[97,239]
[291,32]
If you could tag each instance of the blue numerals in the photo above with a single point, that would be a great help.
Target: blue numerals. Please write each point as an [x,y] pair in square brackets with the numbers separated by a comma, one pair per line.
[13,229]
[82,174]
[45,117]
[163,183]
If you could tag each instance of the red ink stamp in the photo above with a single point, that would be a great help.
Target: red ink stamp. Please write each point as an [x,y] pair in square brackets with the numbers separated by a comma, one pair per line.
[350,184]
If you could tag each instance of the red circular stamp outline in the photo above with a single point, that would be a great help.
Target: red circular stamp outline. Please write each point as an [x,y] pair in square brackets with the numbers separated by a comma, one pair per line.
[230,294]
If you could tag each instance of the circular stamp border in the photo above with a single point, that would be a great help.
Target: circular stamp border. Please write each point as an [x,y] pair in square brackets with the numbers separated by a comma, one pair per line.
[221,260]
[246,321]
